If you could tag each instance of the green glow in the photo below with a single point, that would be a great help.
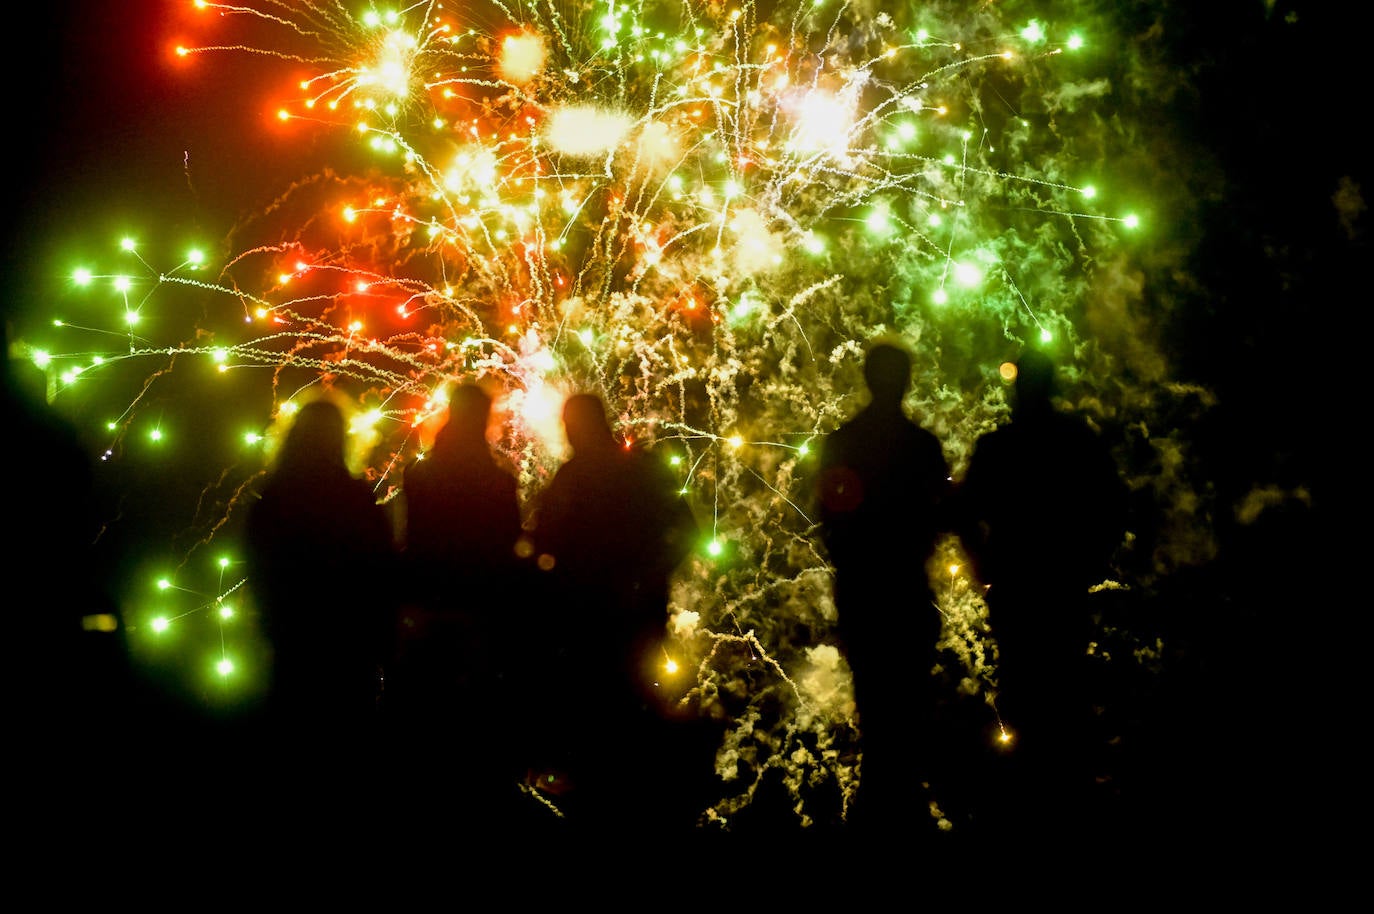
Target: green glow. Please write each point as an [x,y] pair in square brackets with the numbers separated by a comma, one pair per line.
[1045,336]
[744,307]
[164,584]
[195,256]
[1033,32]
[803,450]
[127,244]
[1132,221]
[224,561]
[224,667]
[161,624]
[81,276]
[226,612]
[131,317]
[155,434]
[967,275]
[41,357]
[251,438]
[715,547]
[220,355]
[122,283]
[940,297]
[878,221]
[1090,191]
[1075,42]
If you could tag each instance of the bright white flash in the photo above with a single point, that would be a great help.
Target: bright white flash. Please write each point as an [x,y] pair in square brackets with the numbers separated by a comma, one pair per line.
[586,131]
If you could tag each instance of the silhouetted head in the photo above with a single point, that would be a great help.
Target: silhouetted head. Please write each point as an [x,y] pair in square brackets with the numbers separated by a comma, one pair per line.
[1034,380]
[469,412]
[887,372]
[316,438]
[585,423]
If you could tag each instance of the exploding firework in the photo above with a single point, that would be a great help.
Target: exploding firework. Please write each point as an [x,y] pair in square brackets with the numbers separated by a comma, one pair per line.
[702,212]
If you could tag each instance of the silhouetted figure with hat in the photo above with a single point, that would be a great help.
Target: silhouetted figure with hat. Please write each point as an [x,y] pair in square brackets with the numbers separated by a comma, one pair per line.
[610,529]
[1042,509]
[883,484]
[453,687]
[321,570]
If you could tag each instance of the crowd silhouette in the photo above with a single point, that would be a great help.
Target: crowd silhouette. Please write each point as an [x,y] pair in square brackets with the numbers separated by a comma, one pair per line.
[1039,512]
[461,653]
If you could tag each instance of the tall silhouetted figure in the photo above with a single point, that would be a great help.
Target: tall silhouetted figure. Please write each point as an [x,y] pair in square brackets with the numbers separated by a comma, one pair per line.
[454,683]
[68,723]
[321,561]
[883,484]
[610,529]
[1042,509]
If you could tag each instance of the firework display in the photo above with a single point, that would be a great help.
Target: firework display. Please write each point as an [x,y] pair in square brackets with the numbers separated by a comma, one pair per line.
[702,212]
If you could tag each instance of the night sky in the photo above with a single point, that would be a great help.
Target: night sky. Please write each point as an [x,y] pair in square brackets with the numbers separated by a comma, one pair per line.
[1249,282]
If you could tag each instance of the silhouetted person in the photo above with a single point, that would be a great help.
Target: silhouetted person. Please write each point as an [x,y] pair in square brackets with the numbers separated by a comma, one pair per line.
[321,560]
[66,660]
[882,488]
[610,529]
[462,504]
[1042,508]
[454,676]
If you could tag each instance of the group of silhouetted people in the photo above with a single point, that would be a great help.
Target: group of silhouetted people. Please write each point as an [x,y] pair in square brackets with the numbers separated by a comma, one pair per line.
[484,648]
[490,646]
[1040,510]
